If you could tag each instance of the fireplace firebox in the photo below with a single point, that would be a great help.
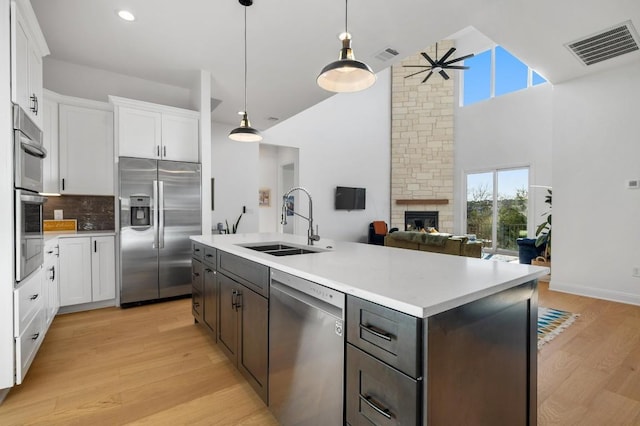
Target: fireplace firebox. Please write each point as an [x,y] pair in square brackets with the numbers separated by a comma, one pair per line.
[418,220]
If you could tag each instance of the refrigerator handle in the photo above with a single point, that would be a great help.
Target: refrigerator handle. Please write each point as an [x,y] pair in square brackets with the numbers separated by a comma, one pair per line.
[154,216]
[161,215]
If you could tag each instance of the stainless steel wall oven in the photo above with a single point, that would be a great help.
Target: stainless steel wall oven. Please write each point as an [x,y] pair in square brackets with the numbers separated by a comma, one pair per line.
[28,182]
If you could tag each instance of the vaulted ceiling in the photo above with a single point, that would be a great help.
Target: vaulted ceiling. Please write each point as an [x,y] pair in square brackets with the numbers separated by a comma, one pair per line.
[289,41]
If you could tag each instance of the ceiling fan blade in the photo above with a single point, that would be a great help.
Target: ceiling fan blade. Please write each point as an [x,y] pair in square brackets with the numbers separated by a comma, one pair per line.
[455,67]
[424,55]
[444,75]
[415,73]
[446,55]
[427,77]
[462,58]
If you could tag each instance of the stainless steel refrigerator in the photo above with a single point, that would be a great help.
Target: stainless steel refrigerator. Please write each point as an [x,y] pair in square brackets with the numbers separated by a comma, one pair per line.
[159,209]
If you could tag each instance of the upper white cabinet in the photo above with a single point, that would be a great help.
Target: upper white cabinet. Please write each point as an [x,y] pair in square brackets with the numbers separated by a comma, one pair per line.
[50,167]
[155,131]
[86,148]
[28,46]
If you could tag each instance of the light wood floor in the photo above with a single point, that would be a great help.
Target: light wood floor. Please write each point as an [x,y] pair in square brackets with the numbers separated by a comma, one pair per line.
[152,365]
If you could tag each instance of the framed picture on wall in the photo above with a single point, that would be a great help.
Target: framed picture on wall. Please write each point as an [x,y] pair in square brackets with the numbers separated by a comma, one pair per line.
[264,197]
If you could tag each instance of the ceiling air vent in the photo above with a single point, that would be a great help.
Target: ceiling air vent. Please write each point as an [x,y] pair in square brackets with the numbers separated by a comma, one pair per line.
[386,54]
[607,44]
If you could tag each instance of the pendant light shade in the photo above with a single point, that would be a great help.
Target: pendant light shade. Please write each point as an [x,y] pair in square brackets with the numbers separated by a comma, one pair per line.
[245,133]
[346,74]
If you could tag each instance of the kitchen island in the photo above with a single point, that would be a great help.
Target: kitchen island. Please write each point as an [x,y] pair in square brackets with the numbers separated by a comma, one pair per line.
[456,335]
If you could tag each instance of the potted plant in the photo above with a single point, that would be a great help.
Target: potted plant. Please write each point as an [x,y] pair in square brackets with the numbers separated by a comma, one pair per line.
[543,235]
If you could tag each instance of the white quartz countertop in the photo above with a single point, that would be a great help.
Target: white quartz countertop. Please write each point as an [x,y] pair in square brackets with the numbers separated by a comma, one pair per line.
[415,282]
[70,234]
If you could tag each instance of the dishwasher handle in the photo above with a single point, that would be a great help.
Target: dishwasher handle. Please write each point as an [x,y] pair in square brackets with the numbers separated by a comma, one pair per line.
[287,291]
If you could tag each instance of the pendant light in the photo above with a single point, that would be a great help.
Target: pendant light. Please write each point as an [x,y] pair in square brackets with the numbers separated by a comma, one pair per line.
[346,74]
[245,133]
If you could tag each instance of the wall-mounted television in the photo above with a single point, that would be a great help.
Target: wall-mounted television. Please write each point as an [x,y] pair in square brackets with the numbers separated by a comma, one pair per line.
[348,198]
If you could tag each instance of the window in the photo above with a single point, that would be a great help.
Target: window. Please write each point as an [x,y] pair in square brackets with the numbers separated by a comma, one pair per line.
[477,79]
[511,73]
[493,73]
[497,203]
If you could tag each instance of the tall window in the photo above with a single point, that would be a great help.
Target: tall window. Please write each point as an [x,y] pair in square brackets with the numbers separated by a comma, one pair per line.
[497,207]
[493,73]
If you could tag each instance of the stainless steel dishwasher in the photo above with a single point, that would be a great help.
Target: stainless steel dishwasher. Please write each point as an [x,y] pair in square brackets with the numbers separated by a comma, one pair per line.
[306,351]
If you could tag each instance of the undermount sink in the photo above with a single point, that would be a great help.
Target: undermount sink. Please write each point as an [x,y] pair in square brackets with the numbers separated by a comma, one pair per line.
[280,249]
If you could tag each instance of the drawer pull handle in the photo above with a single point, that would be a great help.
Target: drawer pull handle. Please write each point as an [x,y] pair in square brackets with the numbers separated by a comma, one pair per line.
[376,332]
[35,336]
[196,250]
[195,275]
[208,255]
[209,270]
[34,297]
[372,403]
[196,304]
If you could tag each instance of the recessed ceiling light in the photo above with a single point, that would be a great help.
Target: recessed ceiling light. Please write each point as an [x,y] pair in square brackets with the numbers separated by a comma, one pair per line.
[126,15]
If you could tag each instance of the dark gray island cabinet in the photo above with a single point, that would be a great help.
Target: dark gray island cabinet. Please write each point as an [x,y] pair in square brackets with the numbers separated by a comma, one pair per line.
[471,363]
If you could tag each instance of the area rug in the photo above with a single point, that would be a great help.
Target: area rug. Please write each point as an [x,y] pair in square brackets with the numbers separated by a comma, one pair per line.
[552,322]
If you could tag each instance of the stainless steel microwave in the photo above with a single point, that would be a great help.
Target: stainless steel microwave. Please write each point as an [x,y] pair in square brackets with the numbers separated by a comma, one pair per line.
[28,152]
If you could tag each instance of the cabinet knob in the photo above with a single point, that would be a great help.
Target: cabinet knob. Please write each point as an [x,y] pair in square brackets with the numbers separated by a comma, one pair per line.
[35,336]
[34,297]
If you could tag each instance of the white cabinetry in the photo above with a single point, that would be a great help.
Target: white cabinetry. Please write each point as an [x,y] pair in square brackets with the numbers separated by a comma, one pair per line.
[50,287]
[50,167]
[147,130]
[29,321]
[28,46]
[87,269]
[86,149]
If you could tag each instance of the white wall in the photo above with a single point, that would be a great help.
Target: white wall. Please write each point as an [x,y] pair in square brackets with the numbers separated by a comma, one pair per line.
[92,83]
[234,167]
[596,220]
[343,141]
[268,165]
[6,210]
[506,131]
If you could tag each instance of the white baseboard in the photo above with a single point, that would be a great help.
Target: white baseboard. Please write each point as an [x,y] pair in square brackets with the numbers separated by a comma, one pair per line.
[3,394]
[598,293]
[87,306]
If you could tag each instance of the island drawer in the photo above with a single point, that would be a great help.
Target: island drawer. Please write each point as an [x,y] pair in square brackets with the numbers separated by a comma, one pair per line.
[197,273]
[391,336]
[250,274]
[378,394]
[210,256]
[197,250]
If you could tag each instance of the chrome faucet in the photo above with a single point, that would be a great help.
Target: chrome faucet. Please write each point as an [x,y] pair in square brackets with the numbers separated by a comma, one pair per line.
[311,237]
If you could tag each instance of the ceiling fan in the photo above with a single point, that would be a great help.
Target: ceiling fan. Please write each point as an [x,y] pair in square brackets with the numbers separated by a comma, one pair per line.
[439,65]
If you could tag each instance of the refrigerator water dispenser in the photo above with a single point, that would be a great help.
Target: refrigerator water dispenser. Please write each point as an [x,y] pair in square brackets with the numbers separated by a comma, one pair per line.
[140,206]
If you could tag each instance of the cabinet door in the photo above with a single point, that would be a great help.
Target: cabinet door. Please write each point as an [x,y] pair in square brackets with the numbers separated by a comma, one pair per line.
[210,299]
[179,138]
[139,133]
[35,85]
[103,268]
[86,151]
[253,351]
[19,61]
[50,168]
[51,280]
[75,270]
[228,325]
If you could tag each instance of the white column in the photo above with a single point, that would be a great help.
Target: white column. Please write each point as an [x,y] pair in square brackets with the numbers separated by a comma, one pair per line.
[205,148]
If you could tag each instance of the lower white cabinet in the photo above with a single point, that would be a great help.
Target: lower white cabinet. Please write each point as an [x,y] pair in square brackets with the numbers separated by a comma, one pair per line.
[50,287]
[29,321]
[87,269]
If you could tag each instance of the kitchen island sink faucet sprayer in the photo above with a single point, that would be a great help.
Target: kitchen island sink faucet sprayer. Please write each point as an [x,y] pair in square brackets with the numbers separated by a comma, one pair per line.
[311,237]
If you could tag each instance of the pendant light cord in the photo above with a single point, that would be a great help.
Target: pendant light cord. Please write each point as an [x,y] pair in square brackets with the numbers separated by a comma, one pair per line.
[346,14]
[245,60]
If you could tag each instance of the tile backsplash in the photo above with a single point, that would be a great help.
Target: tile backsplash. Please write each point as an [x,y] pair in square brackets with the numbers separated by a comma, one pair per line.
[93,213]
